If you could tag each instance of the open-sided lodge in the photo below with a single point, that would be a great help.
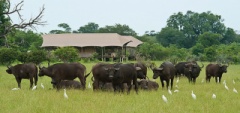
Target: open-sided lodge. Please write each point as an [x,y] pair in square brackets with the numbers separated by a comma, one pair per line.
[106,45]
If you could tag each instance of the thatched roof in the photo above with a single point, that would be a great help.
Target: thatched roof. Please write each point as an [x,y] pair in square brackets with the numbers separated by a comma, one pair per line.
[88,39]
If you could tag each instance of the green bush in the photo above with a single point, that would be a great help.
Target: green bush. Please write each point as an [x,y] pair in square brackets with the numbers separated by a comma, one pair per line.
[67,54]
[8,55]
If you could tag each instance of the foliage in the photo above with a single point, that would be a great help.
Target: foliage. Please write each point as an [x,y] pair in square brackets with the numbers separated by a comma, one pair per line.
[37,56]
[3,19]
[8,55]
[209,39]
[67,54]
[25,40]
[169,35]
[66,29]
[89,28]
[118,28]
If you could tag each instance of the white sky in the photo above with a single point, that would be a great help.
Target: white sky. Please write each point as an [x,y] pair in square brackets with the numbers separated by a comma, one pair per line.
[140,15]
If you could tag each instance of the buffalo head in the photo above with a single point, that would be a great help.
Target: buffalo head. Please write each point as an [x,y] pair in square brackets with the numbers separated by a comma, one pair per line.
[190,66]
[157,72]
[140,73]
[9,70]
[110,71]
[223,68]
[42,71]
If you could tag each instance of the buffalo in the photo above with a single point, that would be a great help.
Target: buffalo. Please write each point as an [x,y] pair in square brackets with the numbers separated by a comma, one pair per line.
[180,67]
[148,85]
[166,71]
[192,71]
[215,70]
[68,84]
[141,70]
[101,73]
[125,73]
[65,71]
[24,71]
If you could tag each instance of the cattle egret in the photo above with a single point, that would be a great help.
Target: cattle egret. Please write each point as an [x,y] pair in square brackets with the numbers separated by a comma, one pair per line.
[176,86]
[15,88]
[89,85]
[42,85]
[234,90]
[224,82]
[34,87]
[233,81]
[65,94]
[164,98]
[226,87]
[175,91]
[214,96]
[194,96]
[177,80]
[169,91]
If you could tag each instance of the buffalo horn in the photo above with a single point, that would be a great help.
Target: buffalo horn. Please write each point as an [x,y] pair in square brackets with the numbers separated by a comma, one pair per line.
[159,69]
[138,68]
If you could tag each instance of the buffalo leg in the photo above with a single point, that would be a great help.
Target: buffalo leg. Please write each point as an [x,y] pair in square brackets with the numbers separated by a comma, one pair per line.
[31,82]
[19,82]
[172,83]
[83,82]
[162,83]
[129,87]
[167,81]
[220,77]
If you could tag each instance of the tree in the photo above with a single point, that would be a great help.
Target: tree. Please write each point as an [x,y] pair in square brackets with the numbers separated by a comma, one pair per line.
[194,24]
[169,35]
[67,54]
[66,27]
[229,36]
[208,39]
[7,27]
[89,28]
[118,28]
[8,55]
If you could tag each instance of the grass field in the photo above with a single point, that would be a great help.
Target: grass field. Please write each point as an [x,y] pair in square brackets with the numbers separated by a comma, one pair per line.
[50,101]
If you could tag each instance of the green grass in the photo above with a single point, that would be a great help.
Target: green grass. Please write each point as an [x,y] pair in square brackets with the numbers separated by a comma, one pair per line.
[88,101]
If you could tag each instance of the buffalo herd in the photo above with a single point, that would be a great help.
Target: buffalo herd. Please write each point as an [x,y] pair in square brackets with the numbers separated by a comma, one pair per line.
[116,77]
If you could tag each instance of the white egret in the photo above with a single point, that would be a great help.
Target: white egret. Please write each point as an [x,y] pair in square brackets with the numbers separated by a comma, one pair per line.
[15,88]
[194,96]
[169,91]
[214,96]
[224,82]
[89,85]
[164,98]
[42,85]
[177,80]
[65,94]
[34,88]
[234,90]
[226,87]
[176,86]
[175,91]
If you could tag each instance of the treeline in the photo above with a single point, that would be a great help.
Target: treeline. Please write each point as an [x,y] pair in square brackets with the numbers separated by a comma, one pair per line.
[199,36]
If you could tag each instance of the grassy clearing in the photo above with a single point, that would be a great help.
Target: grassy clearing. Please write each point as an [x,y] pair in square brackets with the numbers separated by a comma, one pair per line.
[48,100]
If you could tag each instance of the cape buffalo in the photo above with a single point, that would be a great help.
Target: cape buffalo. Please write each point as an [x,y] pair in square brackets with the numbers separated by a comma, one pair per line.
[24,71]
[148,85]
[180,68]
[65,71]
[215,70]
[142,71]
[102,73]
[126,73]
[68,84]
[166,71]
[192,71]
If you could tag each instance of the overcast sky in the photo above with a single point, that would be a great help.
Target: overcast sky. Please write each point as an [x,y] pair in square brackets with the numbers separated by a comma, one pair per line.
[140,15]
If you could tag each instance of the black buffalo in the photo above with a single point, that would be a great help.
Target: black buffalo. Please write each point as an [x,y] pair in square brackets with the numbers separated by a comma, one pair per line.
[166,71]
[24,71]
[101,73]
[148,85]
[65,71]
[125,73]
[141,70]
[192,71]
[215,70]
[180,67]
[68,84]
